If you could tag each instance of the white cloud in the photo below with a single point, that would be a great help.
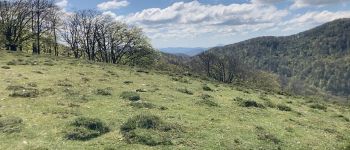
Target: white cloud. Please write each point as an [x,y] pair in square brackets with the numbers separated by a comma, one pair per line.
[194,18]
[114,4]
[312,19]
[194,22]
[306,3]
[62,3]
[266,1]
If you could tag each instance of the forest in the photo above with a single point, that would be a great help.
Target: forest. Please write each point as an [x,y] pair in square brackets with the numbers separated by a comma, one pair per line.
[40,27]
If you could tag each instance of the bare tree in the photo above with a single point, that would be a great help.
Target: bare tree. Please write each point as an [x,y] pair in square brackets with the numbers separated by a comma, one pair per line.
[14,20]
[40,20]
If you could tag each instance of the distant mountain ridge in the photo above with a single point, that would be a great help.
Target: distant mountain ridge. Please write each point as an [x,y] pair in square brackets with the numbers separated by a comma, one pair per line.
[319,57]
[184,50]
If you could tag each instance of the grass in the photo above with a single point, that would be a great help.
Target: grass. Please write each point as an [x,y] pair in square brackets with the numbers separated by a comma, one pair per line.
[130,95]
[47,118]
[149,130]
[86,128]
[10,124]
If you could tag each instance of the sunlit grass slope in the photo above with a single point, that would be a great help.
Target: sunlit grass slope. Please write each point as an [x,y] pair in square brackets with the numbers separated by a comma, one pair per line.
[61,103]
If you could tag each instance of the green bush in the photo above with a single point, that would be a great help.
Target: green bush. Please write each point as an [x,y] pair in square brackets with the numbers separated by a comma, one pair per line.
[104,92]
[283,107]
[251,103]
[149,130]
[10,124]
[208,101]
[86,128]
[26,92]
[130,95]
[207,88]
[318,106]
[128,82]
[6,67]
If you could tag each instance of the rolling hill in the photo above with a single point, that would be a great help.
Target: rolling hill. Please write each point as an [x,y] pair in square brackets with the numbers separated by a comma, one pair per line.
[320,57]
[183,50]
[64,103]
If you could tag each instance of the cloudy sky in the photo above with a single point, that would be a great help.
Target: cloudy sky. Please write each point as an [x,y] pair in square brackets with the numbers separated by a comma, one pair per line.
[207,23]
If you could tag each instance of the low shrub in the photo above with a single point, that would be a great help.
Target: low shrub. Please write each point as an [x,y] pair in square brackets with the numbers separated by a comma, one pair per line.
[143,105]
[104,92]
[318,106]
[141,90]
[128,82]
[207,100]
[149,130]
[206,88]
[65,83]
[49,63]
[6,67]
[266,136]
[26,92]
[142,71]
[10,124]
[15,87]
[251,103]
[181,79]
[83,128]
[283,107]
[185,91]
[130,95]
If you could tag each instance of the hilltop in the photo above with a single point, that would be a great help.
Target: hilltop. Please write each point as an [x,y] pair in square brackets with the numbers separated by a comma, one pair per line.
[319,57]
[64,103]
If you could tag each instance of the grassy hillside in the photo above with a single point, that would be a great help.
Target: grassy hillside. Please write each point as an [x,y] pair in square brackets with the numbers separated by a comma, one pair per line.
[47,103]
[320,56]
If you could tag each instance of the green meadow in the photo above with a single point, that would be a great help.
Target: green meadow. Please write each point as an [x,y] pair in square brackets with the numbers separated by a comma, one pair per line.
[62,103]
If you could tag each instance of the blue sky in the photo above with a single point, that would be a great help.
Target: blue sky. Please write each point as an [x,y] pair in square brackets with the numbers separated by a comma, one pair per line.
[207,23]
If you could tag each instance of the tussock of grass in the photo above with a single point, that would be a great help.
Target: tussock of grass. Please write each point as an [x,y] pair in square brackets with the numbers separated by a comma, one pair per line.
[251,103]
[283,107]
[266,136]
[207,88]
[142,104]
[141,90]
[25,93]
[181,79]
[15,87]
[65,83]
[318,106]
[10,124]
[207,100]
[185,91]
[64,112]
[104,92]
[6,67]
[130,95]
[84,128]
[128,82]
[149,130]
